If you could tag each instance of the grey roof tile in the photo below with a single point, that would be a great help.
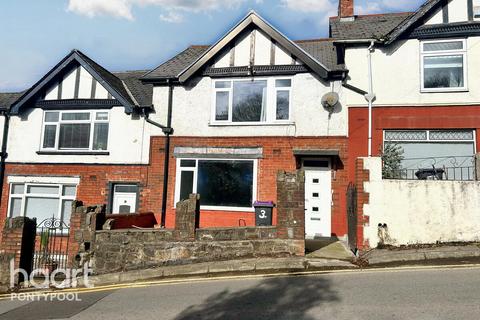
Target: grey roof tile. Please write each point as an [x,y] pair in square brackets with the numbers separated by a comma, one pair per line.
[324,51]
[8,98]
[171,68]
[140,91]
[413,20]
[375,26]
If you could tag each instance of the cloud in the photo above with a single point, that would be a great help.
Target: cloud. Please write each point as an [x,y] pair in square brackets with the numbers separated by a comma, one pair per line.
[310,5]
[123,8]
[172,17]
[370,7]
[380,6]
[93,8]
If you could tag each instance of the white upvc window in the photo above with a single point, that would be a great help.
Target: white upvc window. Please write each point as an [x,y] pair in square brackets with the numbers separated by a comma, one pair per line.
[252,101]
[75,130]
[42,201]
[223,184]
[443,65]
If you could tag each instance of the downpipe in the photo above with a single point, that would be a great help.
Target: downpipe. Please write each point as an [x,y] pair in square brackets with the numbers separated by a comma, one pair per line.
[168,131]
[370,96]
[4,155]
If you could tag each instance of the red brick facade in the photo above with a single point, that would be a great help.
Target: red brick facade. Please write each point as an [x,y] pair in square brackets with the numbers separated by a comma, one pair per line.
[361,176]
[277,156]
[414,117]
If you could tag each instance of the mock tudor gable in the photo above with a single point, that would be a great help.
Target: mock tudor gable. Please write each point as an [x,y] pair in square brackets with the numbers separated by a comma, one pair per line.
[78,82]
[252,48]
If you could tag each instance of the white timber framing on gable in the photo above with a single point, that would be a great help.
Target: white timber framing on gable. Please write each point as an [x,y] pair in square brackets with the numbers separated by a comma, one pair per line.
[77,82]
[254,42]
[254,48]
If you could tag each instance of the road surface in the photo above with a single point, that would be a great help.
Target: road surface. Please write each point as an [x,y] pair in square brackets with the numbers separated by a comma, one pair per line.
[388,294]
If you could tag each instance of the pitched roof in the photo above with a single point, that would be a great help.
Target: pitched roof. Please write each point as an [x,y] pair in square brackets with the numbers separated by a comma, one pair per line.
[171,68]
[185,64]
[413,20]
[376,26]
[141,92]
[7,98]
[136,95]
[322,50]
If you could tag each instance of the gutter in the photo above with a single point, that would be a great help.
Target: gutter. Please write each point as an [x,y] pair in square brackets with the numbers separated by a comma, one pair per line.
[4,155]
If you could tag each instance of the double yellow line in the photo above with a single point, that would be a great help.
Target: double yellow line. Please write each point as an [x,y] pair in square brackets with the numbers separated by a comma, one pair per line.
[163,282]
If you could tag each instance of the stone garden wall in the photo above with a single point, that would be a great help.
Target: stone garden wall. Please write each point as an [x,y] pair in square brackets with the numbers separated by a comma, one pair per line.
[135,249]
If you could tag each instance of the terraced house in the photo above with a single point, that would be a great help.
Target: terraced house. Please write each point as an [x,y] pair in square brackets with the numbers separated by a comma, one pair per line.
[222,119]
[219,120]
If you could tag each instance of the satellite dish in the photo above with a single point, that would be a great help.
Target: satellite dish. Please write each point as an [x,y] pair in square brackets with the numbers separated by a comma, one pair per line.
[330,100]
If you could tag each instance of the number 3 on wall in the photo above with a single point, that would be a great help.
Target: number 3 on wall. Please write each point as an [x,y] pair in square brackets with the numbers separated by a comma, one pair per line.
[262,214]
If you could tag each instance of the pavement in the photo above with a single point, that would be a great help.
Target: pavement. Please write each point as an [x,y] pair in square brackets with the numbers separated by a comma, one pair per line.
[405,293]
[378,257]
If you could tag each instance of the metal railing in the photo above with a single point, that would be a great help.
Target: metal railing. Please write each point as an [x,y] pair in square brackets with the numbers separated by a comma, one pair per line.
[444,168]
[452,174]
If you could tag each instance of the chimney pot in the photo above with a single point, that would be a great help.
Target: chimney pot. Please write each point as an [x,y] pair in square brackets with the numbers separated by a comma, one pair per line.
[345,8]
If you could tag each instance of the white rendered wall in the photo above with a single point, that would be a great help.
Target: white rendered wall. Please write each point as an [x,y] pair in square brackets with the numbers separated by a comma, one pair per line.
[457,11]
[397,77]
[421,212]
[85,85]
[192,108]
[436,18]
[128,140]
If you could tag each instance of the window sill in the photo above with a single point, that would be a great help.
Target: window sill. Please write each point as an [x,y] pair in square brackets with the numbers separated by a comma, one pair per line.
[231,209]
[74,153]
[253,124]
[444,90]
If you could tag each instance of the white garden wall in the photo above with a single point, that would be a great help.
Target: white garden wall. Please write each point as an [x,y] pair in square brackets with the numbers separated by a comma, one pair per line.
[421,212]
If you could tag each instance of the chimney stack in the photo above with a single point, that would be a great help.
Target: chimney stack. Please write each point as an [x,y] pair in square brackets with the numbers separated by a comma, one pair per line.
[345,8]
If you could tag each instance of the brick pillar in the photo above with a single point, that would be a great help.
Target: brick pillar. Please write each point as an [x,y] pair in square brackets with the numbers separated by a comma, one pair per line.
[84,221]
[186,218]
[291,205]
[361,176]
[18,242]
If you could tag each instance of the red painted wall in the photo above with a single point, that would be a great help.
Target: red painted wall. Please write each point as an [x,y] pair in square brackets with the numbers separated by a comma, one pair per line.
[413,117]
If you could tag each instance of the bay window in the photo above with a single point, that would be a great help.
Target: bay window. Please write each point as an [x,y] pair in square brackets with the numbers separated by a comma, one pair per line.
[79,130]
[222,184]
[251,100]
[444,65]
[42,201]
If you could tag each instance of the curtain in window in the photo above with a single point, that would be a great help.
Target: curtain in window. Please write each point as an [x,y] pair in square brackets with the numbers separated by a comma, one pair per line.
[74,136]
[263,114]
[443,72]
